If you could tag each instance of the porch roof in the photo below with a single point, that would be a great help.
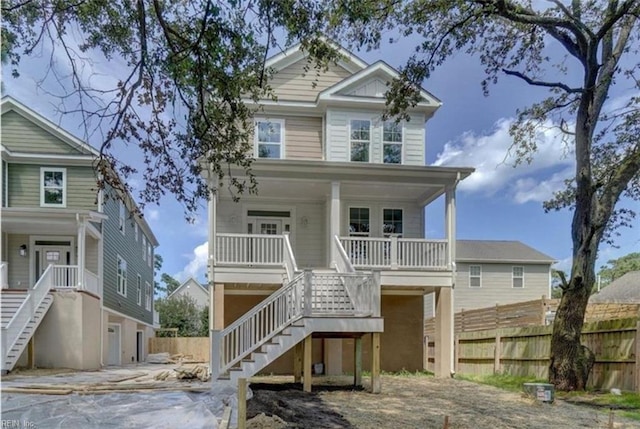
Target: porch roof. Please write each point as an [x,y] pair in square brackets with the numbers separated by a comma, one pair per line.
[19,220]
[311,179]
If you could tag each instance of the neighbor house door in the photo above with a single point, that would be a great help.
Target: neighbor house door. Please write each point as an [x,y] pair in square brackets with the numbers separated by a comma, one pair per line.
[114,344]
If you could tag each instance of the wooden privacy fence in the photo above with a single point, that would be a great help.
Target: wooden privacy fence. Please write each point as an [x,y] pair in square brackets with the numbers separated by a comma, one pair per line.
[525,352]
[195,347]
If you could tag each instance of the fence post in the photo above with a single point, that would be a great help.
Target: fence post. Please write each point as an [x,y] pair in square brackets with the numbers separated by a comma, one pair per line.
[215,354]
[456,352]
[308,283]
[637,357]
[497,352]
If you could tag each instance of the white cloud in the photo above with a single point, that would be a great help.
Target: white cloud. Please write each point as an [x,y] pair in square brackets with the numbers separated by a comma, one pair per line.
[197,265]
[152,214]
[490,155]
[564,265]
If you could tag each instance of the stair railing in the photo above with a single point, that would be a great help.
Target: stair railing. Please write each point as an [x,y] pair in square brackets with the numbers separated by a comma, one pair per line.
[289,259]
[12,331]
[343,262]
[256,327]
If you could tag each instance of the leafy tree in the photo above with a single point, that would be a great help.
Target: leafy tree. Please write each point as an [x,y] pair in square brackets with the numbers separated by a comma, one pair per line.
[204,322]
[170,283]
[182,313]
[615,268]
[556,282]
[186,69]
[576,52]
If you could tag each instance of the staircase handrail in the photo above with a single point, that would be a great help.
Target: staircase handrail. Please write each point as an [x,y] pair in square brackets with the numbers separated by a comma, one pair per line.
[343,262]
[289,259]
[21,318]
[257,326]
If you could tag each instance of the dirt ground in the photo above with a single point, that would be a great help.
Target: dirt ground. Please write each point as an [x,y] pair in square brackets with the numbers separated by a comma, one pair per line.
[414,402]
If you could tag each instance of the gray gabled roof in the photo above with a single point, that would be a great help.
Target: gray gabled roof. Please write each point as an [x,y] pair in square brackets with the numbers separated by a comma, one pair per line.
[499,251]
[625,289]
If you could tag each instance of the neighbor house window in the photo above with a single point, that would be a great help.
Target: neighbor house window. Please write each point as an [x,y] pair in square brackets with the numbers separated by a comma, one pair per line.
[392,143]
[149,254]
[121,216]
[475,276]
[139,290]
[135,231]
[518,276]
[53,187]
[269,138]
[359,221]
[147,296]
[122,276]
[391,222]
[144,247]
[360,140]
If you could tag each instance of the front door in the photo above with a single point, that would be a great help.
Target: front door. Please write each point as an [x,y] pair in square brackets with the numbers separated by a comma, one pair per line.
[114,344]
[269,226]
[46,255]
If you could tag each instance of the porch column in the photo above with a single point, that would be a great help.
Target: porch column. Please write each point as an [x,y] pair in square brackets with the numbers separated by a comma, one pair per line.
[214,338]
[375,362]
[82,234]
[333,356]
[306,371]
[450,225]
[334,221]
[218,304]
[444,332]
[357,361]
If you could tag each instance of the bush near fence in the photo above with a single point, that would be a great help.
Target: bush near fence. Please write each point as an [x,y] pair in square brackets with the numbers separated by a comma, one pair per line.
[197,348]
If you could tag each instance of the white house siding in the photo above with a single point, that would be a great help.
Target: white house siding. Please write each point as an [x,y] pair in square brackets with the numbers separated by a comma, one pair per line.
[302,136]
[296,83]
[18,265]
[411,213]
[497,286]
[338,143]
[194,291]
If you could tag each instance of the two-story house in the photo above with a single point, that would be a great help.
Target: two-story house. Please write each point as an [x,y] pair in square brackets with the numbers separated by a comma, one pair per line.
[77,263]
[497,272]
[332,250]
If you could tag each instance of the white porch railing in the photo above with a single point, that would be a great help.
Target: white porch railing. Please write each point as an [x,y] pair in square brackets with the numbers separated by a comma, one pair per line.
[4,275]
[309,294]
[396,253]
[11,332]
[66,277]
[249,249]
[289,259]
[91,283]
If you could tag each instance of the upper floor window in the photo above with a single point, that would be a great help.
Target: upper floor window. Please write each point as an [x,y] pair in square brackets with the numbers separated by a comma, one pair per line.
[144,247]
[122,276]
[360,140]
[269,138]
[518,277]
[392,143]
[149,254]
[135,231]
[359,221]
[475,276]
[391,222]
[147,296]
[53,187]
[121,211]
[139,290]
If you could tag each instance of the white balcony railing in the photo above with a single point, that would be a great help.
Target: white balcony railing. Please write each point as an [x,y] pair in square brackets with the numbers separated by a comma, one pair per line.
[91,283]
[4,275]
[396,253]
[249,249]
[66,277]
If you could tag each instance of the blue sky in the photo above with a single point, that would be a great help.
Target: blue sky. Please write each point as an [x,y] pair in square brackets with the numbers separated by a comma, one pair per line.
[497,202]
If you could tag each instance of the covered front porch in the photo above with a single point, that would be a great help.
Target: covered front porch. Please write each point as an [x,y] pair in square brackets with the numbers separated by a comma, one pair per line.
[66,244]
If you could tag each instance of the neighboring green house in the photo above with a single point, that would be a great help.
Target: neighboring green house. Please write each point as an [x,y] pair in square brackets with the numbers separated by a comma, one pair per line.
[76,265]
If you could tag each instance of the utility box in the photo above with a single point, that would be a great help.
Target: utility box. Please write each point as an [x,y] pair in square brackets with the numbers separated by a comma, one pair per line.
[542,392]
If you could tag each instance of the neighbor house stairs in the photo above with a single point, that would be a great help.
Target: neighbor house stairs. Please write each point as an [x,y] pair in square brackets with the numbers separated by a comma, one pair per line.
[22,312]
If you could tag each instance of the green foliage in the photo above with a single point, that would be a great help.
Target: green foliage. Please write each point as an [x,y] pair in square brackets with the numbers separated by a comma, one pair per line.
[170,284]
[182,313]
[616,268]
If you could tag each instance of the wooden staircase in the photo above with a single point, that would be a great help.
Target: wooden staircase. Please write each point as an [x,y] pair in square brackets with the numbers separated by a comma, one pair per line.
[313,302]
[11,303]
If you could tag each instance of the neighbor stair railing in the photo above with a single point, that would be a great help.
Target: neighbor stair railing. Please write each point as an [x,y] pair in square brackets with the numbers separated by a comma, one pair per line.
[12,331]
[310,295]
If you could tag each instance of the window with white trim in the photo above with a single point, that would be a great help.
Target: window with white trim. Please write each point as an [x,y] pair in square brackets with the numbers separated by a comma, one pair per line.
[475,276]
[139,290]
[122,276]
[149,254]
[269,138]
[135,231]
[144,247]
[518,277]
[392,142]
[360,138]
[391,222]
[359,221]
[53,187]
[121,211]
[147,296]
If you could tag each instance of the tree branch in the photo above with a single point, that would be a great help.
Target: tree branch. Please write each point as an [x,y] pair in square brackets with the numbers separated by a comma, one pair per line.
[533,82]
[614,17]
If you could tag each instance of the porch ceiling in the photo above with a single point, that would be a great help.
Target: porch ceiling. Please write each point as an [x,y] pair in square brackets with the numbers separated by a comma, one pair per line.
[43,221]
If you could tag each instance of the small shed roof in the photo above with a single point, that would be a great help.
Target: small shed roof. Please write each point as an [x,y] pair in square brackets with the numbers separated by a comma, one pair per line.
[624,289]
